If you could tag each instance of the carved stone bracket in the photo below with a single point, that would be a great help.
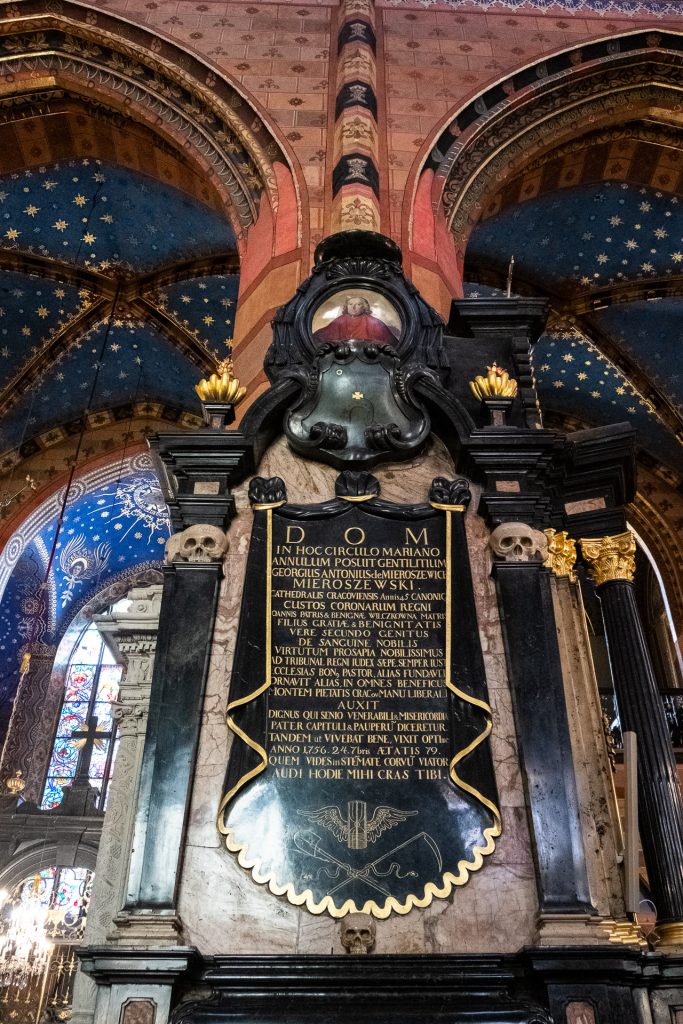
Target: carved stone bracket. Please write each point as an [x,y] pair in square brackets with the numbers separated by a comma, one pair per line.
[450,494]
[267,492]
[200,544]
[610,558]
[561,557]
[355,485]
[517,542]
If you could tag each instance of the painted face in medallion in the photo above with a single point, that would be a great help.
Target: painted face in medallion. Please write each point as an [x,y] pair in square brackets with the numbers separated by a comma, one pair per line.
[360,315]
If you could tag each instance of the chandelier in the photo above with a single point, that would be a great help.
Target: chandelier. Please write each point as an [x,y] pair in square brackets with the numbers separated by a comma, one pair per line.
[24,948]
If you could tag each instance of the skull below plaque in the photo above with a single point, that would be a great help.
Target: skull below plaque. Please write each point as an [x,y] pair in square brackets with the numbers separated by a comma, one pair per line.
[358,933]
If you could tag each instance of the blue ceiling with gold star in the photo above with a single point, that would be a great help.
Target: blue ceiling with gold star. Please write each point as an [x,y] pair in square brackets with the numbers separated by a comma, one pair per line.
[609,256]
[586,236]
[114,289]
[117,294]
[102,217]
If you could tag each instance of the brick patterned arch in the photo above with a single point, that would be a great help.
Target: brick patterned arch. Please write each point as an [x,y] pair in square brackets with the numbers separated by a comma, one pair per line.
[489,141]
[127,75]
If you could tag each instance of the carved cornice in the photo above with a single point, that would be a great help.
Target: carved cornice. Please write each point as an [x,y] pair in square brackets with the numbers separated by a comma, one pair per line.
[610,558]
[561,554]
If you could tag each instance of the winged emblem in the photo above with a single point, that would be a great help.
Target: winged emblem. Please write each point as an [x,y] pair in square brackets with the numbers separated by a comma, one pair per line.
[79,563]
[355,830]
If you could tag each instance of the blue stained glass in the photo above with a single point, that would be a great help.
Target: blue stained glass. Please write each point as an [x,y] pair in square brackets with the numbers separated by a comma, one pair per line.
[64,758]
[86,668]
[54,793]
[79,682]
[72,717]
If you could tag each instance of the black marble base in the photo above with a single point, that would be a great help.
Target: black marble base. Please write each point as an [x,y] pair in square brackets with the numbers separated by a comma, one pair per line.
[535,986]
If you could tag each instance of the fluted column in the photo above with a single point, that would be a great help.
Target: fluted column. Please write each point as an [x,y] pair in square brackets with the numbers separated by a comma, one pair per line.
[131,634]
[611,561]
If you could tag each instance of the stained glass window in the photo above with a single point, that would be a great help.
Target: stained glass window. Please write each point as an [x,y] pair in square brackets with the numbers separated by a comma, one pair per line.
[92,683]
[64,893]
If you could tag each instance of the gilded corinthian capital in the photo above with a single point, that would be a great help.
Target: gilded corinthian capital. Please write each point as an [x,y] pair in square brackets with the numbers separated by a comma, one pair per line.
[561,554]
[610,558]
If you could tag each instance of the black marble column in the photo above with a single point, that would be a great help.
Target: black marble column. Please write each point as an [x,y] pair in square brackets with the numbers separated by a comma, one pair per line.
[188,610]
[641,711]
[541,722]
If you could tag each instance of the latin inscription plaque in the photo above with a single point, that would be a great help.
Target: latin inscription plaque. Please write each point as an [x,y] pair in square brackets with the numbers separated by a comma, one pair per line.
[357,691]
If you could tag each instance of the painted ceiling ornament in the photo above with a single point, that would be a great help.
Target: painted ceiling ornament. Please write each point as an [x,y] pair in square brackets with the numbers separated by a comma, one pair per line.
[355,341]
[139,500]
[80,563]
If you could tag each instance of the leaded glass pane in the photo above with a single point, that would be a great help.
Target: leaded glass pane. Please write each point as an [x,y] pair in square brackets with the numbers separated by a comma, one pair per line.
[103,713]
[92,684]
[108,686]
[79,682]
[72,717]
[98,761]
[89,649]
[54,793]
[64,758]
[38,887]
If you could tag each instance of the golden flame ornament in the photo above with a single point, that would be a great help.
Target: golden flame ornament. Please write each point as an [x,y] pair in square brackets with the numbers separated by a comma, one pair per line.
[222,387]
[496,384]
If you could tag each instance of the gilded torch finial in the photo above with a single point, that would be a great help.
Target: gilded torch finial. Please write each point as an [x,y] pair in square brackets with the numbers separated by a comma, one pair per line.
[496,384]
[222,387]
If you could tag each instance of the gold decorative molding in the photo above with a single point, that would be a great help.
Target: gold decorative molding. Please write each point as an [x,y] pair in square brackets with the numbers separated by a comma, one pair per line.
[610,558]
[561,554]
[496,384]
[670,934]
[626,933]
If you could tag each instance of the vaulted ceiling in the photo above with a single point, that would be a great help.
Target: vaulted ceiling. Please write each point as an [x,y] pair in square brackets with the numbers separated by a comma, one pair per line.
[117,293]
[608,253]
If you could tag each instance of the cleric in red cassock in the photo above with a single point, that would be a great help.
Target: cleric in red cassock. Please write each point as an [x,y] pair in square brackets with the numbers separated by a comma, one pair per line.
[356,322]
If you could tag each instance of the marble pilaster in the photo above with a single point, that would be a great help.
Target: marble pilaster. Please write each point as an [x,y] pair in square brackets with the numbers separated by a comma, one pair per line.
[598,811]
[131,635]
[611,562]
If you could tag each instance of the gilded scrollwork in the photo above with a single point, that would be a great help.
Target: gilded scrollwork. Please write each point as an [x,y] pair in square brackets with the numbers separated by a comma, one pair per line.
[610,558]
[561,557]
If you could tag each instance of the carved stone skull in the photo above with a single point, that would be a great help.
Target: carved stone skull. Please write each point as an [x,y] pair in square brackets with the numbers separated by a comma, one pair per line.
[517,542]
[358,933]
[200,544]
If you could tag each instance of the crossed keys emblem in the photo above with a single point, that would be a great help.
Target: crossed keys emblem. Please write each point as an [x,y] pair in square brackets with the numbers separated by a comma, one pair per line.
[347,830]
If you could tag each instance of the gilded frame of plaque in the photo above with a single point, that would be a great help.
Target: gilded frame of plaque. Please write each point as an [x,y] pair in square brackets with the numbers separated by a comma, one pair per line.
[306,825]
